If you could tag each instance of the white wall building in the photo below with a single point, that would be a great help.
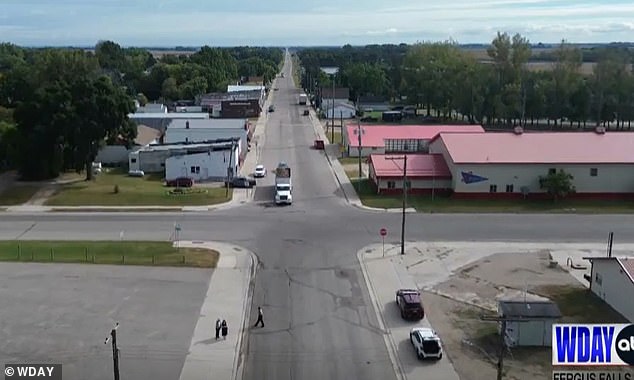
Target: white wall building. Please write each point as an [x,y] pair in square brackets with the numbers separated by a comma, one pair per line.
[510,164]
[195,131]
[118,154]
[612,280]
[345,110]
[151,159]
[207,166]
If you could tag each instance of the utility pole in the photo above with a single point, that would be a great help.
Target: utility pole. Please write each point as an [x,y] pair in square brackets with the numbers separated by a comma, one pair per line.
[115,350]
[229,168]
[332,133]
[405,188]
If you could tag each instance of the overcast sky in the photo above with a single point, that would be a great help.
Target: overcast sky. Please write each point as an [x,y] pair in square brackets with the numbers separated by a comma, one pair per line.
[303,22]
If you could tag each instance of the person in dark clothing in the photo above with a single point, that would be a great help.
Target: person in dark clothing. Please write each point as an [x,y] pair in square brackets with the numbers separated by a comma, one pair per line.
[260,318]
[225,329]
[218,327]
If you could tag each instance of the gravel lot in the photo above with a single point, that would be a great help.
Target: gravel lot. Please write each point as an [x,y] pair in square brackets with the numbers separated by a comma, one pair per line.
[455,306]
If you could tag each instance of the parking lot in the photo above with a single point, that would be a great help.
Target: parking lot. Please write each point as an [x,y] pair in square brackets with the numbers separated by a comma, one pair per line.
[63,314]
[460,283]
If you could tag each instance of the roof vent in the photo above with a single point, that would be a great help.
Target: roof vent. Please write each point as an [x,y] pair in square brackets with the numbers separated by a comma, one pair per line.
[518,130]
[187,124]
[600,130]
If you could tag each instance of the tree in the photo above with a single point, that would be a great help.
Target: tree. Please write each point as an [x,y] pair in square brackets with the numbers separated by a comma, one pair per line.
[558,184]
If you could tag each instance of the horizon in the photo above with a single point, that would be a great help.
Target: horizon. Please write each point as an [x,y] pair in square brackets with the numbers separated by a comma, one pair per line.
[279,23]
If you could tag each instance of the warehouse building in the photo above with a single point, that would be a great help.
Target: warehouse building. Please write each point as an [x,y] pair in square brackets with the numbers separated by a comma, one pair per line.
[510,164]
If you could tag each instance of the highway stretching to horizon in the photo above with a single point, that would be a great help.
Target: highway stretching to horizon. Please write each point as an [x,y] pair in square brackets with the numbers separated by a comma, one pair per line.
[320,322]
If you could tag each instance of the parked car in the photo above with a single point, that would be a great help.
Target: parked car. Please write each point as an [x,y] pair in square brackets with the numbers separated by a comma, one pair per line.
[271,108]
[136,173]
[180,182]
[306,112]
[426,343]
[409,304]
[241,182]
[260,171]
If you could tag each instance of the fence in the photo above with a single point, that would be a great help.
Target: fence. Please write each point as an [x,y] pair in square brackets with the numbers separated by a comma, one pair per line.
[84,255]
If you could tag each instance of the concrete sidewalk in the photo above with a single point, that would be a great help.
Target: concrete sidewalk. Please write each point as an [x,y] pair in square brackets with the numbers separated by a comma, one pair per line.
[228,297]
[340,174]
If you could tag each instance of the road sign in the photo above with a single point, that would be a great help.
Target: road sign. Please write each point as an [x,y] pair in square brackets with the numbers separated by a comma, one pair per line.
[383,232]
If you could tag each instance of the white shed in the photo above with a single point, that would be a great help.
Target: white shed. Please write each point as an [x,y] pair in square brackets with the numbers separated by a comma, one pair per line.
[612,280]
[209,166]
[531,321]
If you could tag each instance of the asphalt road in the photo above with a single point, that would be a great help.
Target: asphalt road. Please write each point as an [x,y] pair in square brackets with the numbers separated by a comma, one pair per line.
[319,319]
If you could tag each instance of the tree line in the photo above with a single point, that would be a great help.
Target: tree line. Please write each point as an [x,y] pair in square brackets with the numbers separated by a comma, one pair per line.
[499,90]
[58,106]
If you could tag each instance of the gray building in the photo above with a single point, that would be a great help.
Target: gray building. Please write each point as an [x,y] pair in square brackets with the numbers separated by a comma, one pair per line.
[160,120]
[151,158]
[536,317]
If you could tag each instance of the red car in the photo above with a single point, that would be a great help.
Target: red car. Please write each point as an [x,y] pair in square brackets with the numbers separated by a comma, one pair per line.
[180,182]
[410,304]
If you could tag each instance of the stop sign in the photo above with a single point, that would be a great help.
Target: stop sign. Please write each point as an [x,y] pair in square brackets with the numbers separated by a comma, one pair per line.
[383,232]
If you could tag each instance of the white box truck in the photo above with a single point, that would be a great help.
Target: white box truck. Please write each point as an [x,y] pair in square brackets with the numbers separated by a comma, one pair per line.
[283,185]
[303,98]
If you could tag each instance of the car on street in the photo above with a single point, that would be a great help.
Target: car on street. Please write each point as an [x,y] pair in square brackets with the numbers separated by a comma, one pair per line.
[260,171]
[410,304]
[180,182]
[426,343]
[271,108]
[241,182]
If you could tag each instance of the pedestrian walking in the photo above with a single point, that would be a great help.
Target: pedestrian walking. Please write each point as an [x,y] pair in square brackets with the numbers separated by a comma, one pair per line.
[225,329]
[218,327]
[260,318]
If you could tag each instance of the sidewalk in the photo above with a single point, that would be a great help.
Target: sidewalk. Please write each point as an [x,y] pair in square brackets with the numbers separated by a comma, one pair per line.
[339,173]
[228,297]
[425,265]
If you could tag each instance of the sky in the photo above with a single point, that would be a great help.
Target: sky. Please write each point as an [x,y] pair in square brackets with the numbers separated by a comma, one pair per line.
[168,23]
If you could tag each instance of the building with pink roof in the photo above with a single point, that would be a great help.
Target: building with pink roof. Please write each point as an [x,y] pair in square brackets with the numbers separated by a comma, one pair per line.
[510,164]
[378,139]
[425,173]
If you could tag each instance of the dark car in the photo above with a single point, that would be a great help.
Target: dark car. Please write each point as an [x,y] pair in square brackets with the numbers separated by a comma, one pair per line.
[409,303]
[241,182]
[306,113]
[180,182]
[271,108]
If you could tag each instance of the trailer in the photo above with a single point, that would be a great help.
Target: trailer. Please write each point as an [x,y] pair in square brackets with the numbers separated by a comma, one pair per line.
[283,184]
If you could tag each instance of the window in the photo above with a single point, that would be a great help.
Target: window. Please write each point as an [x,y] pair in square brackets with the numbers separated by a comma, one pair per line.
[598,279]
[194,169]
[162,164]
[594,172]
[133,160]
[509,188]
[552,171]
[391,184]
[493,189]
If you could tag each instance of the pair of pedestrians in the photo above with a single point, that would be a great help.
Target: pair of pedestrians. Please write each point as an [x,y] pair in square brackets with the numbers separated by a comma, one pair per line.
[221,326]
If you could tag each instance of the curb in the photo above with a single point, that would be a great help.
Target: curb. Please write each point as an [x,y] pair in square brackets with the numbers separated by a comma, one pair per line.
[387,338]
[242,346]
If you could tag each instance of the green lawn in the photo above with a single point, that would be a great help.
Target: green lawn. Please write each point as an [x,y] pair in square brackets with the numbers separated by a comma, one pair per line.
[146,191]
[17,195]
[107,252]
[424,203]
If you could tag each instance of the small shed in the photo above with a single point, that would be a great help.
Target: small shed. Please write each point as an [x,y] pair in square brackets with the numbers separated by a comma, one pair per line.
[536,317]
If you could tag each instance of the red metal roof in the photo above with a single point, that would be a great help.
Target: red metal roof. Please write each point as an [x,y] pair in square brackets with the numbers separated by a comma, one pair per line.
[373,135]
[540,147]
[628,266]
[418,166]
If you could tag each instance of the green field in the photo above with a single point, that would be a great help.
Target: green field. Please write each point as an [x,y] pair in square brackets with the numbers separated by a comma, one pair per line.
[146,191]
[107,252]
[424,203]
[17,195]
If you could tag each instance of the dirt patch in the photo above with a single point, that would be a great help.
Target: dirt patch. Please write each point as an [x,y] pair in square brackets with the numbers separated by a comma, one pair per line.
[454,309]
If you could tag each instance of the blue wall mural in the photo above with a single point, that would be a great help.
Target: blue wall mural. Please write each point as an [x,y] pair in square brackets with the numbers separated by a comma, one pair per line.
[469,178]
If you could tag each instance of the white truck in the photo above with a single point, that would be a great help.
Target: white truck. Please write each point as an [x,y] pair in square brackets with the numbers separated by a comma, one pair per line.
[303,98]
[283,185]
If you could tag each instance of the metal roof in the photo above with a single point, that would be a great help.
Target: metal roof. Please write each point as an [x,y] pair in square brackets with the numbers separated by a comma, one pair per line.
[529,309]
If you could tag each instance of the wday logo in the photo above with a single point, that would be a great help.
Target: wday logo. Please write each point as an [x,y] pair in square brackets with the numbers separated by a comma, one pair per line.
[593,344]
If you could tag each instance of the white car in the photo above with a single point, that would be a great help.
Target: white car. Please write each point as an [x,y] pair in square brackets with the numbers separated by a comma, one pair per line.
[260,171]
[426,343]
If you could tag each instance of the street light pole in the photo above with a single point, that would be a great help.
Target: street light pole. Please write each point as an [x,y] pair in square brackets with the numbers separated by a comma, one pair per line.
[332,125]
[115,350]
